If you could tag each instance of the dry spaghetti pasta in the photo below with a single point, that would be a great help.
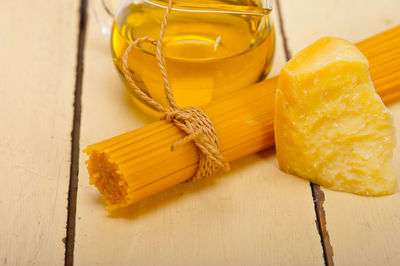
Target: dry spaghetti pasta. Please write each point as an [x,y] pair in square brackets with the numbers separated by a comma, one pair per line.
[140,163]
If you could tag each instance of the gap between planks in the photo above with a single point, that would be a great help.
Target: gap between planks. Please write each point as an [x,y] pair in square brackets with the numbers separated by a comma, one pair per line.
[317,194]
[319,199]
[75,135]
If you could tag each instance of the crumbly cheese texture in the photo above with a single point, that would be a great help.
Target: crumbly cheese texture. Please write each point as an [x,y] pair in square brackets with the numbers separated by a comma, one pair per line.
[330,125]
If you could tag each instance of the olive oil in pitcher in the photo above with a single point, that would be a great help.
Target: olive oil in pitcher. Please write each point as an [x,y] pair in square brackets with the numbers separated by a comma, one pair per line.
[208,53]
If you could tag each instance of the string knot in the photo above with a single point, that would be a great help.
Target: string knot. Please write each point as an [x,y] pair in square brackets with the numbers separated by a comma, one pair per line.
[169,115]
[191,120]
[199,129]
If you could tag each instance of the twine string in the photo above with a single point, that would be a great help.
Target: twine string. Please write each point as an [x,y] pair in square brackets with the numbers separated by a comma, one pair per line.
[191,120]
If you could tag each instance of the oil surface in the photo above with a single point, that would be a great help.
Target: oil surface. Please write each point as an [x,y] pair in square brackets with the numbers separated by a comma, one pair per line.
[208,54]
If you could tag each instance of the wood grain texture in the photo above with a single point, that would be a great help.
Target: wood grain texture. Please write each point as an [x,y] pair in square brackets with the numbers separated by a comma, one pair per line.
[253,215]
[37,81]
[362,230]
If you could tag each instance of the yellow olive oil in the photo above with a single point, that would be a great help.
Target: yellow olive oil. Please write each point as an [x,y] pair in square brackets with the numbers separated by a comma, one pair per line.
[209,53]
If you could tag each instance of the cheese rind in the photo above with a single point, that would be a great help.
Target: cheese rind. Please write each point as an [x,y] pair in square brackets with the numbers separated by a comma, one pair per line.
[330,126]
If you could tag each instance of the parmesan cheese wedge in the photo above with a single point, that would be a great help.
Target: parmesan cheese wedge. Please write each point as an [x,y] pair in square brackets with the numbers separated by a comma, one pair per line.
[330,125]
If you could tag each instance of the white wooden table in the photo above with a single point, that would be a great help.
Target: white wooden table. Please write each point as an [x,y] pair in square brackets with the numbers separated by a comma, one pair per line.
[59,92]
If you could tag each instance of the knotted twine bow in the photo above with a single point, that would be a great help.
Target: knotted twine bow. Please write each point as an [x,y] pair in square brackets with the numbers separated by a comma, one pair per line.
[193,121]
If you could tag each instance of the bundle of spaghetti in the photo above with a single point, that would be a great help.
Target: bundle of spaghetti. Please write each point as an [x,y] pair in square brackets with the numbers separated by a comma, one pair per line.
[140,163]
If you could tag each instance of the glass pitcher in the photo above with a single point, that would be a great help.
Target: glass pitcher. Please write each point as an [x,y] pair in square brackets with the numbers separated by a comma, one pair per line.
[211,47]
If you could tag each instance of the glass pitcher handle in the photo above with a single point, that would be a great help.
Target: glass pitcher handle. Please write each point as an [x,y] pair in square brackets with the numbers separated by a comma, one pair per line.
[104,13]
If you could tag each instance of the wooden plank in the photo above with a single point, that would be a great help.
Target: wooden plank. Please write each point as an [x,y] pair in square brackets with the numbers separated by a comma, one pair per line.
[362,231]
[37,82]
[306,21]
[253,215]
